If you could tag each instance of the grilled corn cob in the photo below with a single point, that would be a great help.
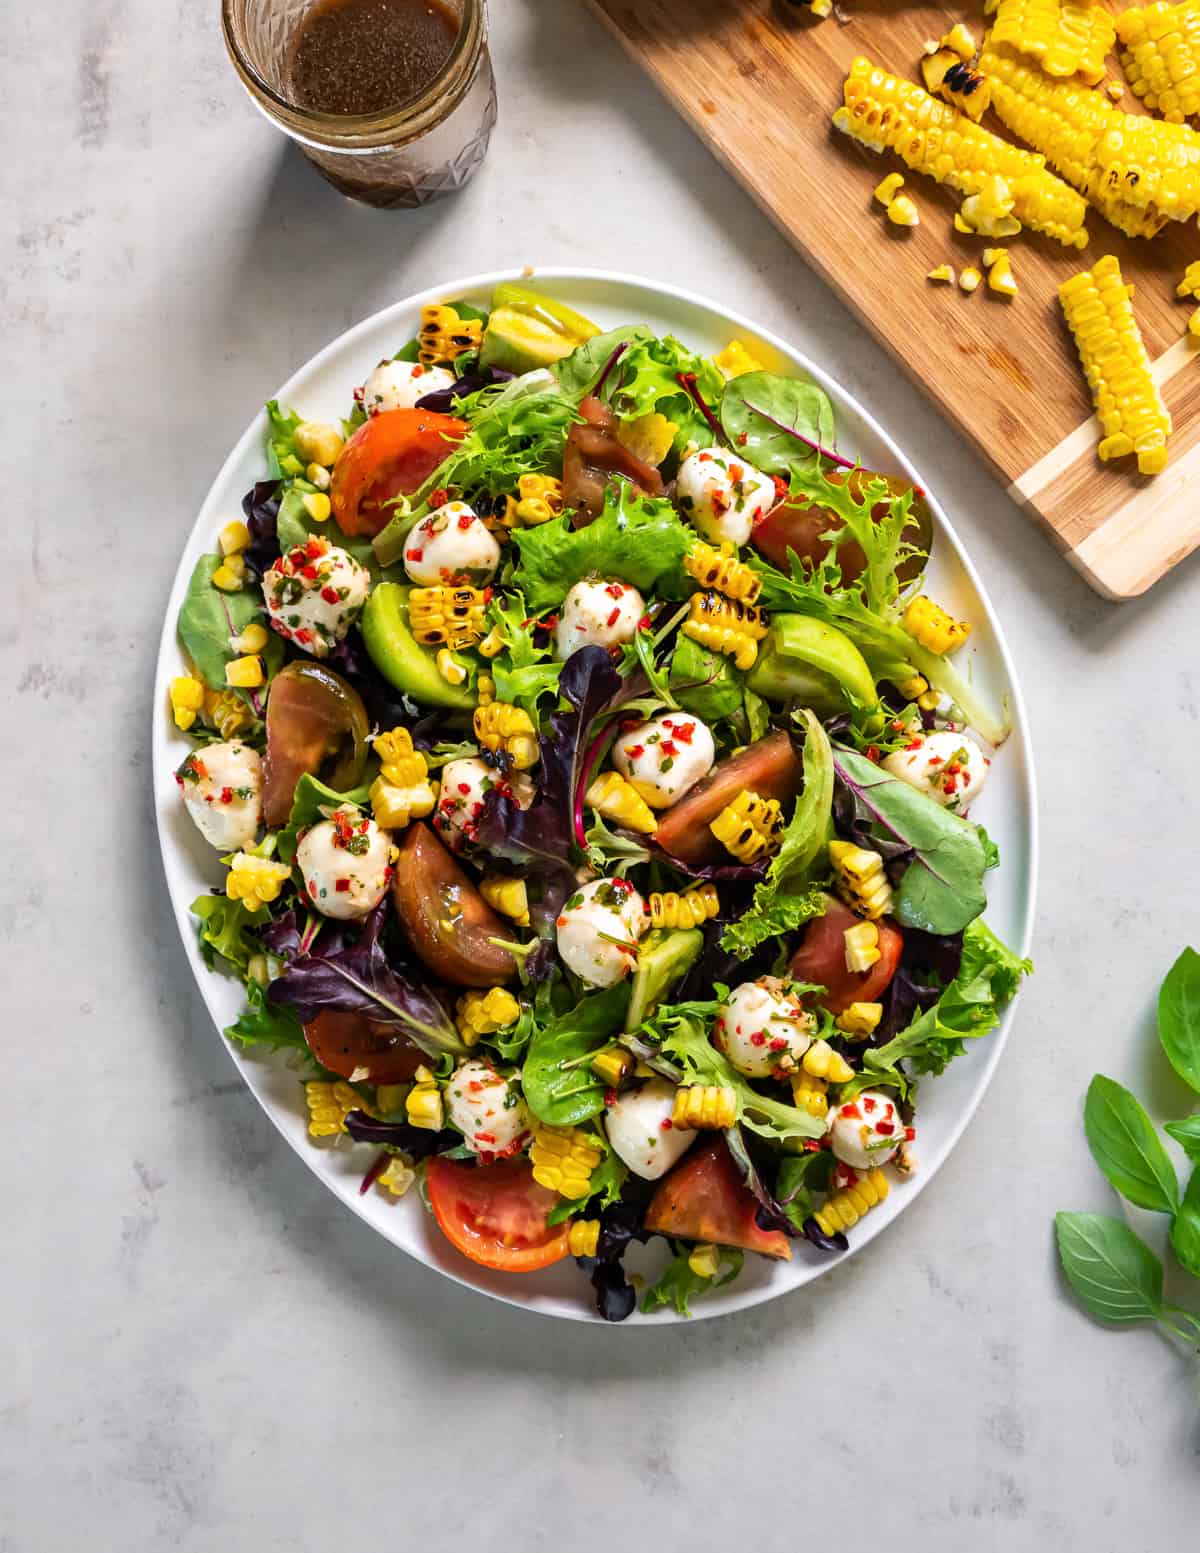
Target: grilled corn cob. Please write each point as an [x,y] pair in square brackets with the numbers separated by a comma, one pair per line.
[845,1208]
[450,617]
[711,1106]
[929,624]
[721,571]
[810,1094]
[563,1159]
[1160,54]
[617,799]
[499,725]
[860,879]
[483,1013]
[726,626]
[687,910]
[1065,37]
[444,336]
[749,827]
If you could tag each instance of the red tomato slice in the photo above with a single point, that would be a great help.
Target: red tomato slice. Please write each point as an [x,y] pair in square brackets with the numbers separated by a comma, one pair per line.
[821,958]
[390,455]
[346,1043]
[704,1198]
[496,1214]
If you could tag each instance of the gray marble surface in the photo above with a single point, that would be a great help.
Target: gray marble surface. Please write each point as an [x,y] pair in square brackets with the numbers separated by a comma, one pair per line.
[199,1350]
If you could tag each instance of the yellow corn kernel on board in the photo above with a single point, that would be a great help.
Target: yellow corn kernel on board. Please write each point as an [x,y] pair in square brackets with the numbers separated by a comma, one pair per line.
[759,80]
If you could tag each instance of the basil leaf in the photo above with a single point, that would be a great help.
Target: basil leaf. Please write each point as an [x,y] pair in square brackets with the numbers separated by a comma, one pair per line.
[1185,1227]
[1115,1275]
[559,1085]
[1187,1135]
[1126,1147]
[778,422]
[1179,1017]
[209,618]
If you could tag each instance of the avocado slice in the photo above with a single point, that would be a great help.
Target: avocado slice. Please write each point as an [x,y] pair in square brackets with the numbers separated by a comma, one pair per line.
[663,957]
[527,330]
[805,660]
[398,655]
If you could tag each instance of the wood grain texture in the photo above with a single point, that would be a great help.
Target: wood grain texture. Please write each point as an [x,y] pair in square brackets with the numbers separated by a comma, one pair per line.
[759,80]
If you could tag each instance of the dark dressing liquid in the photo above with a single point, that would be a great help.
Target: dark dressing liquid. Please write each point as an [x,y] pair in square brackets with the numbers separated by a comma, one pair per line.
[366,56]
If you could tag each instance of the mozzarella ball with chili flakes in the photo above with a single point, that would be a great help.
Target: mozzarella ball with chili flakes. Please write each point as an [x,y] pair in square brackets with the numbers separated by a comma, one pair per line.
[723,495]
[598,929]
[222,791]
[763,1028]
[451,545]
[947,766]
[345,864]
[597,614]
[487,1110]
[398,385]
[867,1130]
[665,757]
[314,594]
[638,1124]
[465,784]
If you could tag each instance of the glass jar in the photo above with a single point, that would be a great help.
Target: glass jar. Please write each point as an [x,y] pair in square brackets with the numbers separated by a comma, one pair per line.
[400,158]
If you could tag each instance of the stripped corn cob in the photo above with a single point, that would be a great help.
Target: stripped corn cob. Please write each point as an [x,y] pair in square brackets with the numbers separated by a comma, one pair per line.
[444,336]
[749,827]
[845,1208]
[451,617]
[887,113]
[563,1159]
[723,572]
[498,725]
[583,1237]
[687,910]
[1132,414]
[726,626]
[617,799]
[810,1094]
[711,1106]
[930,624]
[821,1061]
[1160,54]
[860,879]
[1065,37]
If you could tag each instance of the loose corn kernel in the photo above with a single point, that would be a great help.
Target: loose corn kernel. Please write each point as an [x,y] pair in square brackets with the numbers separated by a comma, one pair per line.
[989,211]
[929,700]
[507,896]
[485,689]
[888,187]
[845,1208]
[961,40]
[492,644]
[245,673]
[969,280]
[230,576]
[1189,285]
[449,668]
[721,571]
[252,640]
[912,688]
[316,442]
[902,212]
[736,359]
[227,712]
[861,947]
[861,879]
[1000,276]
[447,615]
[648,437]
[328,1105]
[821,1061]
[705,1260]
[444,335]
[396,807]
[483,1013]
[317,505]
[499,725]
[613,1065]
[749,827]
[860,1019]
[255,880]
[1065,37]
[942,272]
[708,1106]
[583,1237]
[929,624]
[810,1094]
[318,475]
[233,538]
[423,1104]
[726,626]
[690,909]
[616,798]
[1115,90]
[396,1176]
[187,699]
[563,1159]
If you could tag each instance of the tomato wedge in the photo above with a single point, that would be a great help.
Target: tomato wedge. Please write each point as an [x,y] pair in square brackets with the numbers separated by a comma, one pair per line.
[389,455]
[704,1198]
[821,958]
[448,923]
[496,1214]
[769,768]
[347,1043]
[798,526]
[316,722]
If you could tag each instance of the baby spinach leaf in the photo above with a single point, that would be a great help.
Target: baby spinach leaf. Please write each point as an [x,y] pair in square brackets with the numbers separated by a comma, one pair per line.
[1115,1274]
[1126,1147]
[559,1085]
[209,618]
[778,422]
[1185,1228]
[679,1285]
[1187,1135]
[1179,1017]
[704,682]
[579,372]
[313,798]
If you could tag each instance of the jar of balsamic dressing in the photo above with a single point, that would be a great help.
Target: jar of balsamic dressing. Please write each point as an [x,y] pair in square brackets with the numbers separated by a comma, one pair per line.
[393,100]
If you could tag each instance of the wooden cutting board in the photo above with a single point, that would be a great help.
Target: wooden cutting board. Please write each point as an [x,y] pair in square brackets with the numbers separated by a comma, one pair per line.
[759,80]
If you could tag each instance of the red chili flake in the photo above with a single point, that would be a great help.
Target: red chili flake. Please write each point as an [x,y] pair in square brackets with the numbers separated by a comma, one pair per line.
[485,1137]
[297,556]
[665,1124]
[465,519]
[227,795]
[610,1097]
[621,886]
[669,747]
[315,548]
[303,635]
[936,760]
[342,886]
[476,809]
[779,1044]
[736,473]
[949,785]
[613,617]
[914,744]
[743,438]
[683,731]
[439,497]
[179,779]
[464,787]
[909,1134]
[330,595]
[644,625]
[719,504]
[474,1086]
[851,1110]
[635,751]
[869,1105]
[885,1129]
[813,1145]
[615,590]
[549,623]
[561,922]
[781,487]
[873,753]
[758,1038]
[704,458]
[413,555]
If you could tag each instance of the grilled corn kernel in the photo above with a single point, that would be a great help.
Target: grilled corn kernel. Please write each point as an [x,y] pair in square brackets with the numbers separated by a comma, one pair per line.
[821,1061]
[989,211]
[1160,52]
[705,1260]
[1065,37]
[860,1019]
[399,761]
[613,1065]
[612,796]
[910,689]
[499,725]
[648,437]
[710,1106]
[449,667]
[810,1094]
[328,1106]
[726,626]
[245,673]
[444,335]
[233,538]
[749,827]
[423,1104]
[861,879]
[255,881]
[929,624]
[736,359]
[492,644]
[902,212]
[690,909]
[948,74]
[969,280]
[929,700]
[861,946]
[1000,276]
[942,272]
[507,896]
[721,571]
[318,475]
[888,187]
[845,1208]
[396,1176]
[960,40]
[230,576]
[539,498]
[316,442]
[253,639]
[227,712]
[583,1237]
[483,1013]
[563,1159]
[187,699]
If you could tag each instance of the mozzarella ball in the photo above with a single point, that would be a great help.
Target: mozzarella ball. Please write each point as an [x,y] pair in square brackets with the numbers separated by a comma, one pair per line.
[665,757]
[947,766]
[451,545]
[762,1028]
[397,385]
[487,1110]
[638,1124]
[222,791]
[465,785]
[314,594]
[723,495]
[345,864]
[597,914]
[865,1131]
[597,614]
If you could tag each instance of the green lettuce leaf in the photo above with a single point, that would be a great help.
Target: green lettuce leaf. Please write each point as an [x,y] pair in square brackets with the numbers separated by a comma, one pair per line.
[645,381]
[222,928]
[270,1025]
[679,1285]
[525,674]
[579,372]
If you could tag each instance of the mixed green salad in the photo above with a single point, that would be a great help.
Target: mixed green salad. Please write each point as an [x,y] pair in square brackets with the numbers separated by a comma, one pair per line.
[594,784]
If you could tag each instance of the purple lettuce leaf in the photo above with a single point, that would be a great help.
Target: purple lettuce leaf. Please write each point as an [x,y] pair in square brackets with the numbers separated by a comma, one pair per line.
[261,508]
[621,1223]
[443,400]
[929,962]
[416,1142]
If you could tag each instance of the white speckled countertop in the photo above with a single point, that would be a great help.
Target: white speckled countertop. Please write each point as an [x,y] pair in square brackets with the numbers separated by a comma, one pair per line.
[200,1349]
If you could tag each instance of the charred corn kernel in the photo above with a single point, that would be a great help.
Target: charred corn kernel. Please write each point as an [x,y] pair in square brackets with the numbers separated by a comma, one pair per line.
[253,639]
[810,1094]
[448,616]
[449,667]
[902,212]
[328,1105]
[255,880]
[583,1237]
[1160,54]
[612,796]
[1065,37]
[501,726]
[721,571]
[483,1013]
[861,947]
[233,538]
[317,442]
[750,827]
[1132,415]
[227,712]
[953,79]
[726,626]
[245,673]
[444,336]
[396,1176]
[860,1019]
[317,505]
[563,1159]
[187,699]
[861,879]
[737,358]
[507,896]
[1189,286]
[845,1208]
[423,1103]
[960,40]
[705,1260]
[1000,276]
[648,437]
[687,910]
[613,1065]
[230,576]
[942,272]
[886,113]
[888,187]
[989,211]
[704,1106]
[539,498]
[821,1061]
[929,624]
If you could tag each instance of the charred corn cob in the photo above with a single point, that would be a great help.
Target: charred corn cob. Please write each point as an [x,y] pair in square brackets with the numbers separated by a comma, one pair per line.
[810,1094]
[1160,54]
[861,947]
[483,1013]
[1065,37]
[860,1020]
[960,40]
[423,1103]
[721,571]
[583,1237]
[499,725]
[444,336]
[450,617]
[698,1106]
[1132,415]
[958,83]
[821,1061]
[861,879]
[563,1159]
[726,626]
[613,1065]
[507,896]
[886,113]
[845,1208]
[328,1106]
[687,910]
[750,827]
[929,624]
[618,800]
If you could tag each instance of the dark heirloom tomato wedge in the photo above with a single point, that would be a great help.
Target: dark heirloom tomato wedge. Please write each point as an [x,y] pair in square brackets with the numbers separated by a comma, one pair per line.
[593,453]
[448,923]
[821,958]
[798,526]
[346,1043]
[769,768]
[704,1198]
[392,454]
[313,717]
[496,1214]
